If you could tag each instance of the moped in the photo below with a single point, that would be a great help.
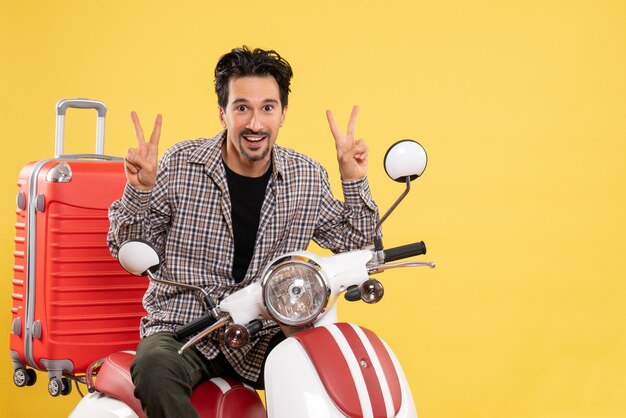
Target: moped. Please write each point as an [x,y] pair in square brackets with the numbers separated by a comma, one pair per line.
[323,368]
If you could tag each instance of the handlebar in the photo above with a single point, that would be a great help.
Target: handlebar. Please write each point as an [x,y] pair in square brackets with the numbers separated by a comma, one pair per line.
[194,327]
[405,251]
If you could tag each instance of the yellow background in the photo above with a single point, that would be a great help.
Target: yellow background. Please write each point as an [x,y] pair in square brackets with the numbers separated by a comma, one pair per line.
[521,106]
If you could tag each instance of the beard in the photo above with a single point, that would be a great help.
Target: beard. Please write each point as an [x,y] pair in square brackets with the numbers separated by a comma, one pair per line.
[256,156]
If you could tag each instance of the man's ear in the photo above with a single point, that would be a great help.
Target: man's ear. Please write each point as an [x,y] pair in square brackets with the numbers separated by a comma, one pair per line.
[220,113]
[283,116]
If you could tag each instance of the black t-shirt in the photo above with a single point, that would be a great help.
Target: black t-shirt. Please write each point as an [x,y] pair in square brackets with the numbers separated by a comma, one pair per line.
[246,195]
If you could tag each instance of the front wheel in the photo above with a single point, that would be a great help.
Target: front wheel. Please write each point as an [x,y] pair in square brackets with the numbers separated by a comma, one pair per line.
[24,377]
[54,386]
[61,386]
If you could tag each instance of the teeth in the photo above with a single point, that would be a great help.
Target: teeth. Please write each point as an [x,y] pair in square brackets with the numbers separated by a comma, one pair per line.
[253,138]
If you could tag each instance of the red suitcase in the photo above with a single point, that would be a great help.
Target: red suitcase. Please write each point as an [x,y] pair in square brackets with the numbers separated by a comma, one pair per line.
[72,302]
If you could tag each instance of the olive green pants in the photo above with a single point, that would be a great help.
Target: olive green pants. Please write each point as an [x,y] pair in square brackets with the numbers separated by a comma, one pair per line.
[164,379]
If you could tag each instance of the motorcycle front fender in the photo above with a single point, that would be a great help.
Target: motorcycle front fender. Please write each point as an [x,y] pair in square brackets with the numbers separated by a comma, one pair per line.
[297,384]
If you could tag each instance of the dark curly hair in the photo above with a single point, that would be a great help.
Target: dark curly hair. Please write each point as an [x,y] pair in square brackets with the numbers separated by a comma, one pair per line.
[243,62]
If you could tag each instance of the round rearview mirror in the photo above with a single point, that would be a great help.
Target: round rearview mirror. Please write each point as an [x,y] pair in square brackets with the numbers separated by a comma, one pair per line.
[137,257]
[405,158]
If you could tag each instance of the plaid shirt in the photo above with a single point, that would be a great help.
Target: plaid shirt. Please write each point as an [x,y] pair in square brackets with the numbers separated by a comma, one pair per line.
[187,217]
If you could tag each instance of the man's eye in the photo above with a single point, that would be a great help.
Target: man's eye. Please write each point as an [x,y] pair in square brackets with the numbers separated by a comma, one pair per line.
[268,108]
[242,108]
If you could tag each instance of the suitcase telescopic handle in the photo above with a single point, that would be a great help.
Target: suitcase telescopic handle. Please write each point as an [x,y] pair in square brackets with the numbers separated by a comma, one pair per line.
[62,107]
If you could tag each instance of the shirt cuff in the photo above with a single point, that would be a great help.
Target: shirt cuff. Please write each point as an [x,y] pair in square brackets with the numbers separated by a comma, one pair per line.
[357,192]
[135,200]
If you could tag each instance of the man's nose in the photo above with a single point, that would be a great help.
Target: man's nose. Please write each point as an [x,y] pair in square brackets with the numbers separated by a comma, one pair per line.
[254,123]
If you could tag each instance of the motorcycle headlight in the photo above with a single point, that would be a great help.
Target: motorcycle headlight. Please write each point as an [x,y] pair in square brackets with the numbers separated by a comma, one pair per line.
[295,290]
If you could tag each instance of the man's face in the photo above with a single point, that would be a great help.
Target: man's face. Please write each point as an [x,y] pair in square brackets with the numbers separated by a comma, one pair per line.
[252,117]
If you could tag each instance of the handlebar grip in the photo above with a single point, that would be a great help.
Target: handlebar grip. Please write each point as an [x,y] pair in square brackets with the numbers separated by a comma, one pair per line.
[194,327]
[254,327]
[405,251]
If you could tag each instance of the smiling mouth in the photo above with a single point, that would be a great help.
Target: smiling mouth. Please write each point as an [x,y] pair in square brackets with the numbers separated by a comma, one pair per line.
[254,138]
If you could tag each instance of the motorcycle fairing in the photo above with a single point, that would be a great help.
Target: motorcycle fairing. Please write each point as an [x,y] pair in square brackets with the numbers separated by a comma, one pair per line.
[355,368]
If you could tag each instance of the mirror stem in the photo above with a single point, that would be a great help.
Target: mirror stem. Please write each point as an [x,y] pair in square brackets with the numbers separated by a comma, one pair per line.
[394,206]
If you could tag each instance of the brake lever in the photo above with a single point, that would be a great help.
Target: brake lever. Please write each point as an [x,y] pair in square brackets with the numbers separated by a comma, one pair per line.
[383,267]
[220,323]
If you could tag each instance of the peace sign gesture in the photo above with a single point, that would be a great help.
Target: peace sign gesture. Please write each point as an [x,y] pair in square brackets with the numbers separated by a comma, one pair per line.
[140,164]
[351,154]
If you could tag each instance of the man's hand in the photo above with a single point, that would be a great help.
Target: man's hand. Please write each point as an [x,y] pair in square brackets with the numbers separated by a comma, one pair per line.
[351,154]
[140,164]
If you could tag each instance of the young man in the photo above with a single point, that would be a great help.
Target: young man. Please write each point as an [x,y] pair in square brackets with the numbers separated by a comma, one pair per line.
[218,210]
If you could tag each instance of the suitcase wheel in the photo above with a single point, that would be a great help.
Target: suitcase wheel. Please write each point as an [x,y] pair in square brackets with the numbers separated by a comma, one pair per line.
[61,386]
[24,377]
